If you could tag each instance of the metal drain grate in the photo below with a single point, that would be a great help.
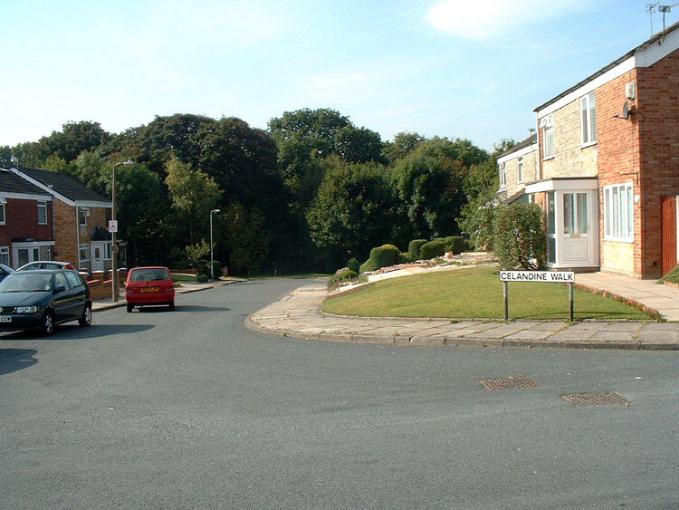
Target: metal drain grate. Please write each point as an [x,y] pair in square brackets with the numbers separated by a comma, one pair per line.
[603,398]
[506,383]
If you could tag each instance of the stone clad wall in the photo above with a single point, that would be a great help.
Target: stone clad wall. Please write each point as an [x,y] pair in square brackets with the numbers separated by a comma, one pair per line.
[570,158]
[529,172]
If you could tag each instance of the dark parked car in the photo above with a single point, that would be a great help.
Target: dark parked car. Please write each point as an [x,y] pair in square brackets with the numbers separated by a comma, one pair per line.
[42,299]
[46,264]
[5,271]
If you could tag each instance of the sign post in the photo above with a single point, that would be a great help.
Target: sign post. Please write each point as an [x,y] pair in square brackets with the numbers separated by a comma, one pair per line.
[537,276]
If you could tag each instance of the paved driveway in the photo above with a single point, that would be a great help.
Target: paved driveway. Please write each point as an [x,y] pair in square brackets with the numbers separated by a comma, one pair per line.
[192,410]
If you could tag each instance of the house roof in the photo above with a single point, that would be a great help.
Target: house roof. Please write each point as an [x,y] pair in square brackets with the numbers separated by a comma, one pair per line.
[532,139]
[64,185]
[12,183]
[656,38]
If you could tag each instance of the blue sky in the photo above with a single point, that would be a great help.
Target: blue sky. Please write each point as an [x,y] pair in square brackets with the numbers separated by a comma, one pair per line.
[440,67]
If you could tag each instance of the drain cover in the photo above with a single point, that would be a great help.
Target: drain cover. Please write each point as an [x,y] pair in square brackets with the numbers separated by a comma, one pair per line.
[506,383]
[603,398]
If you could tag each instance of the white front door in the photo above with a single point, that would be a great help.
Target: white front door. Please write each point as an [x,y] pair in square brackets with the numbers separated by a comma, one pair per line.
[572,230]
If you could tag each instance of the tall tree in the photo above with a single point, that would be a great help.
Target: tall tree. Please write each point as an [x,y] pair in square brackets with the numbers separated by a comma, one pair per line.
[403,144]
[192,192]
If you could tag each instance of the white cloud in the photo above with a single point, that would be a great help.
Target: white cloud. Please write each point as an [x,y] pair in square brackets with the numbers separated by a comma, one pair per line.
[482,20]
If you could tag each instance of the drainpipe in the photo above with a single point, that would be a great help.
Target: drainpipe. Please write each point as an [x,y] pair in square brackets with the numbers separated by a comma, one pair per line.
[77,233]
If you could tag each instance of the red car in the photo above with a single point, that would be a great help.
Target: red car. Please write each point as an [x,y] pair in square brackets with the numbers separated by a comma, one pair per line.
[149,286]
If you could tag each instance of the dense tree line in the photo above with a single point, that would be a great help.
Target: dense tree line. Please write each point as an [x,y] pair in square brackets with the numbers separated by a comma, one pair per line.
[308,193]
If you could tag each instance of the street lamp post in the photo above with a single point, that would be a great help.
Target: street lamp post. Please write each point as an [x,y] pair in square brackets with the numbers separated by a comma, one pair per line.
[212,258]
[114,245]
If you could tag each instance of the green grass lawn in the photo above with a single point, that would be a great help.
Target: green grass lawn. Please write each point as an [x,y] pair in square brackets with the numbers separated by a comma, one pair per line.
[183,278]
[477,293]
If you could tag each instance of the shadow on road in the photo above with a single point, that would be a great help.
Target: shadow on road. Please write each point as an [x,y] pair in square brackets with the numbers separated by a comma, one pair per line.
[12,360]
[75,332]
[184,308]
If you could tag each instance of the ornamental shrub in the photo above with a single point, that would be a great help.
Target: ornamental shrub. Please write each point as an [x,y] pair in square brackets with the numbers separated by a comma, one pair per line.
[343,275]
[202,278]
[381,256]
[354,264]
[414,247]
[406,258]
[434,248]
[520,238]
[456,244]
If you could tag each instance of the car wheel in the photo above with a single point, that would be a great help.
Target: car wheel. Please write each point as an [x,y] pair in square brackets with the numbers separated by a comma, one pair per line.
[129,308]
[86,319]
[47,327]
[172,306]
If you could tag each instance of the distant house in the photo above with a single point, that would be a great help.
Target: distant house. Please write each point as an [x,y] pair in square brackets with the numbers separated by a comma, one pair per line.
[608,165]
[518,166]
[26,221]
[80,219]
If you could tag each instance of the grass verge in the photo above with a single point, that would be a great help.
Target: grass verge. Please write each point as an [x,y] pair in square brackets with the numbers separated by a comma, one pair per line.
[179,277]
[474,293]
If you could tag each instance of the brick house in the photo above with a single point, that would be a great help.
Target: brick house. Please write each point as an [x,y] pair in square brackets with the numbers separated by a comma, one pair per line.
[26,221]
[80,219]
[608,165]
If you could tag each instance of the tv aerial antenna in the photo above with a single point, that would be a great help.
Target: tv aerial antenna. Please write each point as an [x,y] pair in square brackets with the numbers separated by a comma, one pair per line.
[662,8]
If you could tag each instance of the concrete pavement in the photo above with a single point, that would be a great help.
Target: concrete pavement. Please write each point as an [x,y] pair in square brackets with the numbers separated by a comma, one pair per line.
[298,315]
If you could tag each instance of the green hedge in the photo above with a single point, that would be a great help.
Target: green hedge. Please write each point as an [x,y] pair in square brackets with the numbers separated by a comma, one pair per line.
[414,247]
[434,248]
[406,258]
[381,256]
[354,264]
[456,244]
[341,276]
[520,238]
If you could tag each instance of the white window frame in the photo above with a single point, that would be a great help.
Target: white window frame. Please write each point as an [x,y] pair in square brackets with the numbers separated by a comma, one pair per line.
[3,220]
[588,120]
[503,176]
[547,126]
[85,212]
[619,212]
[4,252]
[43,205]
[80,252]
[519,170]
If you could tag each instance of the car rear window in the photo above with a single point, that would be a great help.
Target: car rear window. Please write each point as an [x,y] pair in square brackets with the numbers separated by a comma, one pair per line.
[147,275]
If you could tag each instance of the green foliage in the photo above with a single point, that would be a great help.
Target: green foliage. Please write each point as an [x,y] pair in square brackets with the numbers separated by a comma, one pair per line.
[248,238]
[354,264]
[217,268]
[402,145]
[477,217]
[341,276]
[456,244]
[197,253]
[193,193]
[434,248]
[672,276]
[415,246]
[406,258]
[520,239]
[381,256]
[202,278]
[353,210]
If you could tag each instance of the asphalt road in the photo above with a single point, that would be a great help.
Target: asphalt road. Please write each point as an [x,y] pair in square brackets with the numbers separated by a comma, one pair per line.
[192,410]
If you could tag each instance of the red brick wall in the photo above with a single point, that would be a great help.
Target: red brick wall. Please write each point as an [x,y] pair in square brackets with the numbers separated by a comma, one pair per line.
[21,222]
[65,242]
[618,155]
[658,92]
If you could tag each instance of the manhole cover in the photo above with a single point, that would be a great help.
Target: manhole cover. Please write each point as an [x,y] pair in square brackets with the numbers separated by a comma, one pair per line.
[505,383]
[603,398]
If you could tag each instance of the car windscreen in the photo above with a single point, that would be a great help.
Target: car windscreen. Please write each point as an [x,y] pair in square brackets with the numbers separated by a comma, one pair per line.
[148,275]
[27,282]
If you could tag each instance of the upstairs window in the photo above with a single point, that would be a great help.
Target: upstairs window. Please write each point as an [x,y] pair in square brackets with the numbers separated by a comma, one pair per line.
[548,144]
[82,216]
[519,171]
[42,213]
[588,119]
[503,176]
[2,213]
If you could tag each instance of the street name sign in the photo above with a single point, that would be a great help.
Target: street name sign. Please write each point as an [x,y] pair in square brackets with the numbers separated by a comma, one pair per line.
[113,226]
[538,276]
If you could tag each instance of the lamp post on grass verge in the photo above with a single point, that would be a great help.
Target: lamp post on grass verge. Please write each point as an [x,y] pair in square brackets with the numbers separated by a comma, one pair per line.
[114,232]
[212,258]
